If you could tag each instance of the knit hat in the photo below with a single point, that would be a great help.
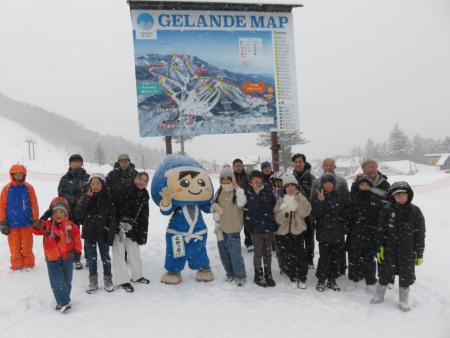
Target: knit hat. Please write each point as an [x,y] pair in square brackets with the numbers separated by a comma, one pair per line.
[59,203]
[265,165]
[124,157]
[100,176]
[364,178]
[369,161]
[327,178]
[226,172]
[75,158]
[256,173]
[277,175]
[289,179]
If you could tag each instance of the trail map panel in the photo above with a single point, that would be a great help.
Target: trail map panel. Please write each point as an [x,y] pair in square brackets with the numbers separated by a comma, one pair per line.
[214,72]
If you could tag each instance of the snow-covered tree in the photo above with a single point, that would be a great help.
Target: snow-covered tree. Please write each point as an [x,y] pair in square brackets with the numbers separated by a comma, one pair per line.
[399,145]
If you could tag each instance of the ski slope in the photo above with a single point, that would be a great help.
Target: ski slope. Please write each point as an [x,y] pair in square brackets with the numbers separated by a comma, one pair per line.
[222,310]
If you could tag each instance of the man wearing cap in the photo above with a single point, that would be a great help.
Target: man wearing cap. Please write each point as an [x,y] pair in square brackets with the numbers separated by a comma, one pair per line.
[266,169]
[380,184]
[70,187]
[121,177]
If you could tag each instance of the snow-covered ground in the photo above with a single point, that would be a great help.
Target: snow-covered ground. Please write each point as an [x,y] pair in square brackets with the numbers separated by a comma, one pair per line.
[221,310]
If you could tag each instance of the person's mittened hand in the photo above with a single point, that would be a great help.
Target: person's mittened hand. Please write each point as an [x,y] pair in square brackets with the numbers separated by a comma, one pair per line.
[47,214]
[419,259]
[218,209]
[166,195]
[235,184]
[380,255]
[4,228]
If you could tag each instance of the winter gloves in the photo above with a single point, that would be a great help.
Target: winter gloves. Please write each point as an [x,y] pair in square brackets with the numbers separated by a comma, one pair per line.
[4,228]
[419,259]
[380,255]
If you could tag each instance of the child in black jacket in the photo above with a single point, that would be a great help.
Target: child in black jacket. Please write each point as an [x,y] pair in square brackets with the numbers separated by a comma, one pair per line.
[329,211]
[401,243]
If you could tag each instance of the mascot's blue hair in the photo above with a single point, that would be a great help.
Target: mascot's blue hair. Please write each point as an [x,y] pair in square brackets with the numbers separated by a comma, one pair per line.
[173,162]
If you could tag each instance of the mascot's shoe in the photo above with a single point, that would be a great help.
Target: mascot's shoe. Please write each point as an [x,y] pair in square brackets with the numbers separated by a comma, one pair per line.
[171,278]
[204,275]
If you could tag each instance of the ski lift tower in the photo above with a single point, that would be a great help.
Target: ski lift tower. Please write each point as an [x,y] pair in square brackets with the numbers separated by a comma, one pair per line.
[215,67]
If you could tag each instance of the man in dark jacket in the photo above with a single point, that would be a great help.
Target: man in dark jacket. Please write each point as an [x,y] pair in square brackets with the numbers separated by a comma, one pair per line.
[259,216]
[380,182]
[121,177]
[401,243]
[242,179]
[329,212]
[302,172]
[70,187]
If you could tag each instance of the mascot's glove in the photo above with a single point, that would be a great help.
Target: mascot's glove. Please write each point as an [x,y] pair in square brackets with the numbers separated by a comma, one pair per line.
[46,215]
[4,228]
[217,209]
[419,259]
[380,255]
[167,196]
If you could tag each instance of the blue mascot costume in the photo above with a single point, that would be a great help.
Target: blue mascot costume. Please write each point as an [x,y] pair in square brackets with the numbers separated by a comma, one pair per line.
[182,188]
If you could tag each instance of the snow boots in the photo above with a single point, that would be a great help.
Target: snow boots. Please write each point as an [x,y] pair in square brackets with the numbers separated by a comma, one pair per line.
[379,294]
[204,275]
[269,279]
[320,286]
[127,287]
[141,280]
[93,284]
[107,283]
[333,285]
[259,278]
[403,297]
[171,278]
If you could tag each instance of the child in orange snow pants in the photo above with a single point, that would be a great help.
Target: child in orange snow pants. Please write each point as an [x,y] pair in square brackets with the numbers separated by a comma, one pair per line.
[18,211]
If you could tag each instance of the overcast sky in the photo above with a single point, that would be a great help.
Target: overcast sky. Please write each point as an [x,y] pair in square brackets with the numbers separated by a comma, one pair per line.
[362,66]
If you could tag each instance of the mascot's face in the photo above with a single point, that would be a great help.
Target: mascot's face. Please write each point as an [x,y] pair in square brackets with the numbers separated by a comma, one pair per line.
[190,186]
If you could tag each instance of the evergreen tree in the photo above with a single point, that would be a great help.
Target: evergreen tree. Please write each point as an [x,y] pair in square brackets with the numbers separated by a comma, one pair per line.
[286,140]
[99,155]
[399,145]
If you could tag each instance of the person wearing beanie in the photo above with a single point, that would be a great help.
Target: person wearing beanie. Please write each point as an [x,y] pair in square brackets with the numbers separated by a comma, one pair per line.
[361,241]
[242,179]
[379,180]
[329,212]
[61,239]
[290,213]
[70,187]
[401,243]
[96,212]
[121,177]
[277,183]
[258,214]
[231,199]
[266,169]
[18,211]
[302,172]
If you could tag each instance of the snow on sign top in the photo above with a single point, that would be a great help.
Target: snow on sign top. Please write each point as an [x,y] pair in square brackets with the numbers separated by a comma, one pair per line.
[252,2]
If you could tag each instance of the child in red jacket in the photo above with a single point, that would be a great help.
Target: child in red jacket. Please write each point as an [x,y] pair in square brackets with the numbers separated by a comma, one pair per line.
[61,243]
[18,211]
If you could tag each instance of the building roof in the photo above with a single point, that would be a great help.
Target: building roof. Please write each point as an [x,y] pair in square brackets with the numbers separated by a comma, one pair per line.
[443,159]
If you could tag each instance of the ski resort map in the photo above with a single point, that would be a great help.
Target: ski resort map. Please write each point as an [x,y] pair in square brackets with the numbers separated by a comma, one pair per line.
[215,73]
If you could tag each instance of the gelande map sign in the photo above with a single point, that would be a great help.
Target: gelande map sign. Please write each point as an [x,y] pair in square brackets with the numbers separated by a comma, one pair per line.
[214,72]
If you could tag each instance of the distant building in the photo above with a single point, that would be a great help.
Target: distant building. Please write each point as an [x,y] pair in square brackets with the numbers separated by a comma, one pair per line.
[441,160]
[347,166]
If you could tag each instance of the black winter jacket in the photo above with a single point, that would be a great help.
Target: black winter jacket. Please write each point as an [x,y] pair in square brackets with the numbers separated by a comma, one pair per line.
[119,180]
[97,214]
[401,231]
[242,179]
[330,217]
[70,187]
[305,180]
[134,209]
[258,212]
[380,189]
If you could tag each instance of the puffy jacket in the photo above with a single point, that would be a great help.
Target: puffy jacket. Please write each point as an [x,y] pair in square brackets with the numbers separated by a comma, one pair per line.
[292,222]
[401,231]
[118,180]
[97,214]
[305,180]
[61,240]
[134,210]
[258,212]
[331,218]
[70,187]
[18,202]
